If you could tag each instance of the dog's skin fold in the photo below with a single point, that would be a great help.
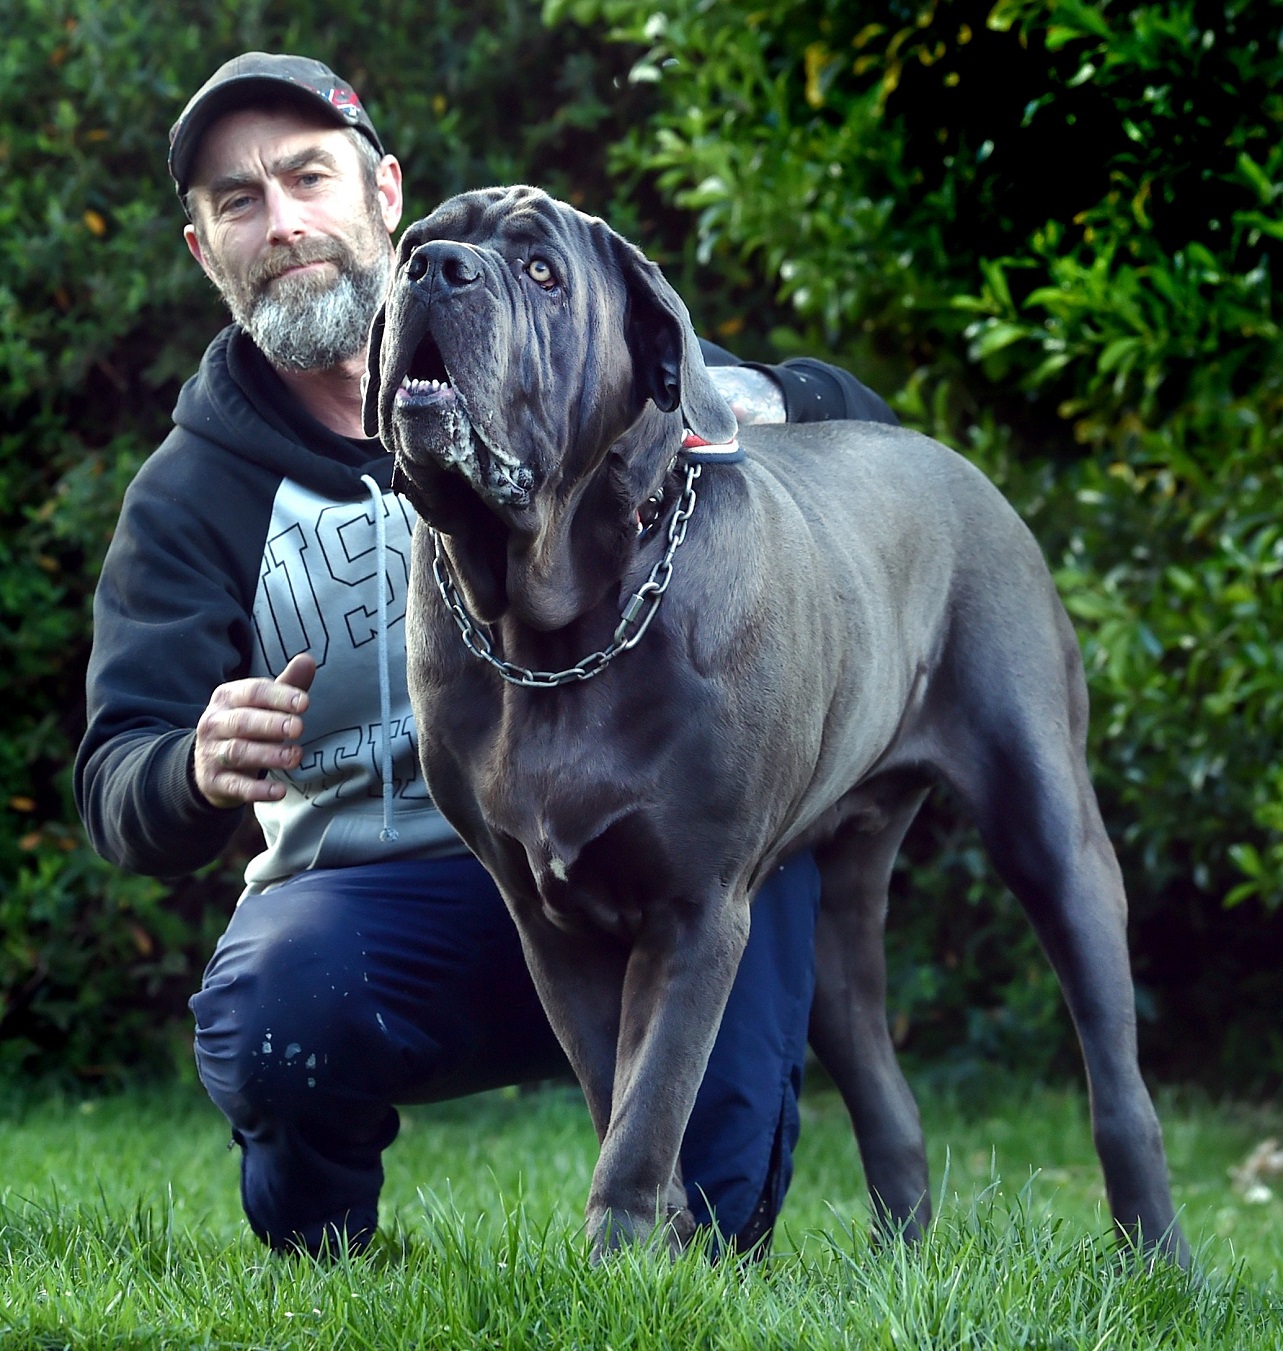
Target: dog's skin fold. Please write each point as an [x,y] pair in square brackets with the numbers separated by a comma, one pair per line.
[855,614]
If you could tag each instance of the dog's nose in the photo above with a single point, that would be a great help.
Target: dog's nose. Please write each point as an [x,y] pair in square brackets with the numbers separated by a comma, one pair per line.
[454,265]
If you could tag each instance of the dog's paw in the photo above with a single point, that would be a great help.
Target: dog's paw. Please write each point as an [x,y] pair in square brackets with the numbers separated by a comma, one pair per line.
[615,1230]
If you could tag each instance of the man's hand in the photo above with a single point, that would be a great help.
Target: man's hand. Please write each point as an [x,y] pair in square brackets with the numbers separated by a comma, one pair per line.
[250,726]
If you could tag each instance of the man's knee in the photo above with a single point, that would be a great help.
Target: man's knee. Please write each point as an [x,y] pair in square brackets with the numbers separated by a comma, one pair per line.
[281,1015]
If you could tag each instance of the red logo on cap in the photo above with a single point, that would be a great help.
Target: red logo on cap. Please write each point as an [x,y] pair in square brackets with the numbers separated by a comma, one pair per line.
[345,101]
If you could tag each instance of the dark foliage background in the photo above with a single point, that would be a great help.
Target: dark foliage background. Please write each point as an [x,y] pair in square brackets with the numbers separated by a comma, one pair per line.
[1047,229]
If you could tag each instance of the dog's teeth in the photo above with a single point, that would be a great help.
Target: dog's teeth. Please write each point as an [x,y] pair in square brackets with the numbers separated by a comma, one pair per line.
[423,387]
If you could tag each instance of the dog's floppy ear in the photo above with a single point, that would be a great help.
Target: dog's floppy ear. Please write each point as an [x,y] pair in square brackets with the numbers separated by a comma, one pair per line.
[666,353]
[373,383]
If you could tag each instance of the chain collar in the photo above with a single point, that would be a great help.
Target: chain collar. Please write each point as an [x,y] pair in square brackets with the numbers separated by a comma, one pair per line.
[633,622]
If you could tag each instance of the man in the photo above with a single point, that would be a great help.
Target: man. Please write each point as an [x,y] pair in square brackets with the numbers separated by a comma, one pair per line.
[249,650]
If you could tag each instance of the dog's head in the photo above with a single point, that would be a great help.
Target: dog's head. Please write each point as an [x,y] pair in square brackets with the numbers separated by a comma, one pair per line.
[521,343]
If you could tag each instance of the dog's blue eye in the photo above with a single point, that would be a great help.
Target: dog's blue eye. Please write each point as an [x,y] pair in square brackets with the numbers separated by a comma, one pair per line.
[539,272]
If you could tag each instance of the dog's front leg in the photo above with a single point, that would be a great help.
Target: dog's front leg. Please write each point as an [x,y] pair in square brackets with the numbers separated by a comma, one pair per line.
[579,977]
[679,976]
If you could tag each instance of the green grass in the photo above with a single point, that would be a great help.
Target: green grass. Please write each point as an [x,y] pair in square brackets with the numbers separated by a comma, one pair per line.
[121,1228]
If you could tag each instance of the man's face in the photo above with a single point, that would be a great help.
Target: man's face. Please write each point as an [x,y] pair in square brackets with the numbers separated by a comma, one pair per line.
[287,226]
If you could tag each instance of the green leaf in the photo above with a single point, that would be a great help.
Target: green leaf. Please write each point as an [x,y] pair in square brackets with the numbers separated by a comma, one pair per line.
[994,335]
[1257,177]
[1119,352]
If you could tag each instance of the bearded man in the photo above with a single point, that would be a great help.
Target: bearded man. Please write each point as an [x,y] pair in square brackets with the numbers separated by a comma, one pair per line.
[249,650]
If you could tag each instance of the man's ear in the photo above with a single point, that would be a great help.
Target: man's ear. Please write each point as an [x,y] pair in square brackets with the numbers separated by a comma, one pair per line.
[387,178]
[666,354]
[373,383]
[197,251]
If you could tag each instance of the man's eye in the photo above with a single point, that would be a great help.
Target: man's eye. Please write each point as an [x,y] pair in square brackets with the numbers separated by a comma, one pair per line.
[540,273]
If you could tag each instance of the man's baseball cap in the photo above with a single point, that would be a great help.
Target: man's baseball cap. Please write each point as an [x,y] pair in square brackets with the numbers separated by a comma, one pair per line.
[238,82]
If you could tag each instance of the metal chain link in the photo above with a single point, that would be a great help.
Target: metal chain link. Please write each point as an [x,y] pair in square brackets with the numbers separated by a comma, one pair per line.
[627,634]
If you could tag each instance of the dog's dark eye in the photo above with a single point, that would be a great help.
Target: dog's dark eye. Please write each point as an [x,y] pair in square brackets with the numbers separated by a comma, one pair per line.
[540,273]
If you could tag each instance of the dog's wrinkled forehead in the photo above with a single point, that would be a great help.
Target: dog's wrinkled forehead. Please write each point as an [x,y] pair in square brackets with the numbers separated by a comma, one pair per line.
[507,289]
[502,217]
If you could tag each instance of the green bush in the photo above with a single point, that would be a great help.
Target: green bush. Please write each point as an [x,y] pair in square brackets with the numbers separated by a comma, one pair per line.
[1048,230]
[83,277]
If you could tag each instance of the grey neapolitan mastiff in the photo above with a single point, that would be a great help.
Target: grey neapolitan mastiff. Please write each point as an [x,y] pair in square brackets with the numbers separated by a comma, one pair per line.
[635,692]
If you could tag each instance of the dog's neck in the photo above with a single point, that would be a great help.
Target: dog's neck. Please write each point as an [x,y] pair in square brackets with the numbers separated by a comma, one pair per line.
[545,581]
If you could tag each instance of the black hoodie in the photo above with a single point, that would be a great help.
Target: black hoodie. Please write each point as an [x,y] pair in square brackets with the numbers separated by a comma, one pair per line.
[247,537]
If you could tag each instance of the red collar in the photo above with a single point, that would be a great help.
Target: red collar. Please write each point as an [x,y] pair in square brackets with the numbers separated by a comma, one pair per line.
[698,451]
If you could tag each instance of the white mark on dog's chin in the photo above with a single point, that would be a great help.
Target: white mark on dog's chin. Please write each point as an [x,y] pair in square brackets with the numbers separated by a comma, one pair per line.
[459,450]
[452,440]
[557,868]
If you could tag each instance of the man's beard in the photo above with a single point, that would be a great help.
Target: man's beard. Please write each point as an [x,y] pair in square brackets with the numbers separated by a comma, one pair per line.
[311,321]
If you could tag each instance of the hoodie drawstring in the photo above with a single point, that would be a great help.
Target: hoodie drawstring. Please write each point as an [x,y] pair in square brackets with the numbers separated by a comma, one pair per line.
[389,833]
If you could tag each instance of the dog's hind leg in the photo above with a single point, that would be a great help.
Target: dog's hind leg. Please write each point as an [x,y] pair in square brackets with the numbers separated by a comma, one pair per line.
[1018,735]
[849,1030]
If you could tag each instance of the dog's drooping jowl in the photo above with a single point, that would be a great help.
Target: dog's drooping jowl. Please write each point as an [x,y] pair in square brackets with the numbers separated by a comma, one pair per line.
[639,683]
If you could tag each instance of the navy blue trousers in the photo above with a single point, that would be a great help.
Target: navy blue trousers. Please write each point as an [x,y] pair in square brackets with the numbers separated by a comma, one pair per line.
[342,992]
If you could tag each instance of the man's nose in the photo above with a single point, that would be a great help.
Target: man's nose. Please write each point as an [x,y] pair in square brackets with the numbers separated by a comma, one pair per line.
[285,222]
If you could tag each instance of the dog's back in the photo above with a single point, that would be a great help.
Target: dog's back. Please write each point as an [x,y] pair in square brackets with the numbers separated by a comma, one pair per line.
[856,569]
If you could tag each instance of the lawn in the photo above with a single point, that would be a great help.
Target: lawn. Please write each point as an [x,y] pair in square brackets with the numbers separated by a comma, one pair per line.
[122,1228]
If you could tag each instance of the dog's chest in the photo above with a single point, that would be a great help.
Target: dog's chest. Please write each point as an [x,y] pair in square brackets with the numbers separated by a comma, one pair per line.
[556,783]
[581,804]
